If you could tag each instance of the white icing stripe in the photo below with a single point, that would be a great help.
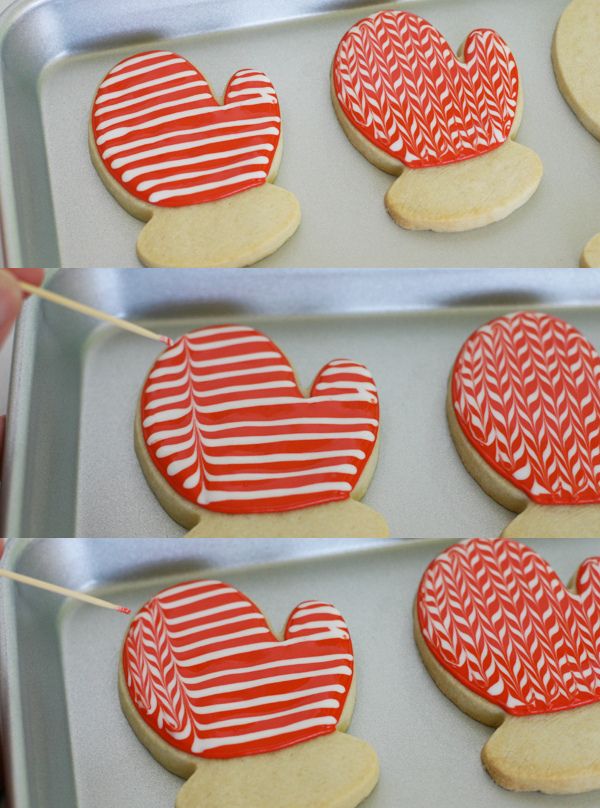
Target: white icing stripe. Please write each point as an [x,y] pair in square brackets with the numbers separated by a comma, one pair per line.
[168,434]
[224,637]
[252,684]
[177,604]
[191,175]
[172,448]
[286,437]
[148,141]
[139,72]
[158,196]
[323,704]
[346,385]
[324,421]
[129,116]
[247,91]
[256,646]
[302,611]
[243,388]
[141,98]
[316,624]
[134,60]
[275,663]
[211,345]
[351,369]
[282,457]
[221,154]
[146,85]
[164,597]
[228,621]
[227,374]
[344,468]
[202,745]
[262,700]
[235,496]
[245,79]
[201,614]
[231,360]
[152,405]
[175,116]
[276,402]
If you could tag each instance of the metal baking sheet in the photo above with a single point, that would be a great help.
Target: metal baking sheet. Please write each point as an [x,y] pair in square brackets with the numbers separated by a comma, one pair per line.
[56,212]
[70,467]
[61,719]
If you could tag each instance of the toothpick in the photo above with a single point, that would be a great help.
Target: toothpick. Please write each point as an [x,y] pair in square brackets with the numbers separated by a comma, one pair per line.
[61,590]
[31,289]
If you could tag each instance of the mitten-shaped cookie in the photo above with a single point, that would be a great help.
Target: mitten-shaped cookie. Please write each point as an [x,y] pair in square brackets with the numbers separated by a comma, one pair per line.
[252,720]
[512,647]
[444,124]
[576,58]
[231,446]
[524,412]
[199,172]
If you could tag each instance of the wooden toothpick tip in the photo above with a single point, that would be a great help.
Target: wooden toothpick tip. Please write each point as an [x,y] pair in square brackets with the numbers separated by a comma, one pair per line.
[82,308]
[63,590]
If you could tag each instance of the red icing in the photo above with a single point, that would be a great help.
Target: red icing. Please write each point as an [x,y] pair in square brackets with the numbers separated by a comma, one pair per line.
[526,393]
[199,658]
[400,85]
[225,423]
[496,616]
[205,152]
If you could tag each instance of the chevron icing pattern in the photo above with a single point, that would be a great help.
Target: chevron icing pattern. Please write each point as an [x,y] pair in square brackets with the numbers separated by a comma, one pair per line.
[164,138]
[401,86]
[496,617]
[226,424]
[526,393]
[206,673]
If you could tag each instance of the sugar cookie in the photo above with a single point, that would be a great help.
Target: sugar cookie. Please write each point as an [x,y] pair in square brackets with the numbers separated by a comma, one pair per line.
[231,447]
[444,124]
[524,413]
[506,641]
[576,59]
[199,172]
[248,719]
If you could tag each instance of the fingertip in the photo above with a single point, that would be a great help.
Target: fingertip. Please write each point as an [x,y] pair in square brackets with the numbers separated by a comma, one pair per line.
[10,303]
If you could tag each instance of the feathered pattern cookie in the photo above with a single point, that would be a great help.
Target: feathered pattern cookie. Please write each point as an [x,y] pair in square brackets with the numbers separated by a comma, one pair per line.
[524,412]
[507,642]
[409,104]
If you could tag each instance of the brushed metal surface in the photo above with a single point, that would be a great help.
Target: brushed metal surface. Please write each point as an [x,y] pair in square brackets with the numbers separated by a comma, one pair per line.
[70,745]
[56,212]
[70,468]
